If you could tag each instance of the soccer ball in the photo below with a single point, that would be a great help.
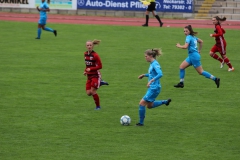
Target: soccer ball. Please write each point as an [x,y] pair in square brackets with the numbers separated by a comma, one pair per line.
[125,120]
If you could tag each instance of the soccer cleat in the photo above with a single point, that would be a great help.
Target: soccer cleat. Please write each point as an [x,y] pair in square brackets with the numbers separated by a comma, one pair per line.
[179,85]
[139,124]
[222,64]
[55,32]
[230,69]
[168,102]
[102,82]
[217,82]
[97,108]
[161,24]
[145,25]
[37,38]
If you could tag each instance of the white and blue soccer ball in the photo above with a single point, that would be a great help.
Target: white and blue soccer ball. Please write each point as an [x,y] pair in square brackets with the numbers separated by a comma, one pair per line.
[125,120]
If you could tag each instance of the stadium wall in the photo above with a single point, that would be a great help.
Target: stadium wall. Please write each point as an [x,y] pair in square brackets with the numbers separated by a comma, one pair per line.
[179,9]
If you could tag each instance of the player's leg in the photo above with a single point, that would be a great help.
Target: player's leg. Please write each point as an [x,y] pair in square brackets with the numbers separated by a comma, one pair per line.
[213,54]
[39,30]
[208,75]
[186,63]
[49,29]
[147,18]
[91,89]
[156,103]
[222,51]
[157,17]
[141,112]
[95,84]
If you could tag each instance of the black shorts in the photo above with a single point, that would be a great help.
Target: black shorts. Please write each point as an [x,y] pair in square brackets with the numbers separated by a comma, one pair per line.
[151,6]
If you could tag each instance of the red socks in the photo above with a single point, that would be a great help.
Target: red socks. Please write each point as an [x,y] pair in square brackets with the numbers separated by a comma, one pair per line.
[226,60]
[96,99]
[215,56]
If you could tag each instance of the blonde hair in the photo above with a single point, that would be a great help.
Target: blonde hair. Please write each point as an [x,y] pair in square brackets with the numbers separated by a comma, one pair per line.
[155,52]
[95,42]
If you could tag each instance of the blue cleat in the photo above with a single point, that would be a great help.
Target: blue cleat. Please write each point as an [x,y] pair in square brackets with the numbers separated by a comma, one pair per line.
[97,108]
[102,82]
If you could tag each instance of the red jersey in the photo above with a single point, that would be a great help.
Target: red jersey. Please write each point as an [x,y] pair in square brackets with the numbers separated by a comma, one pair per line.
[92,61]
[219,35]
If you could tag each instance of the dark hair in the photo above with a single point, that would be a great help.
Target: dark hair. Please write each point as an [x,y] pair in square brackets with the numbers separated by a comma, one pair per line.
[220,19]
[189,27]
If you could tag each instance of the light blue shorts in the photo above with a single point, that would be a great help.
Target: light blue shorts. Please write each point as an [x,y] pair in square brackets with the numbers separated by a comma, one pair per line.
[194,60]
[42,21]
[151,94]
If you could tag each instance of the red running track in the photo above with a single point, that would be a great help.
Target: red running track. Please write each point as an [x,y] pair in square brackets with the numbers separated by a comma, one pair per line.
[123,21]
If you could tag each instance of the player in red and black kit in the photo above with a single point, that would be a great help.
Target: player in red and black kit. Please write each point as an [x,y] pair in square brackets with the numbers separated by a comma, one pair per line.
[221,44]
[93,65]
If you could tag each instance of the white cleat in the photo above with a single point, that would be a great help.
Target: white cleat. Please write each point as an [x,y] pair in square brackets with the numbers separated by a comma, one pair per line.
[222,64]
[230,69]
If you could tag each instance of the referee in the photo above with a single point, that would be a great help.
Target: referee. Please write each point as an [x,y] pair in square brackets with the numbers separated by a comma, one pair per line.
[152,8]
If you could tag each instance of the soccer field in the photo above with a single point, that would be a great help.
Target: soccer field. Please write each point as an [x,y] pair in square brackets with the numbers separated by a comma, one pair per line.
[45,113]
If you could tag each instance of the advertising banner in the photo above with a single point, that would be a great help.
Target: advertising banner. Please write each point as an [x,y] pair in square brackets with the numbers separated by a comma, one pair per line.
[17,3]
[135,5]
[59,4]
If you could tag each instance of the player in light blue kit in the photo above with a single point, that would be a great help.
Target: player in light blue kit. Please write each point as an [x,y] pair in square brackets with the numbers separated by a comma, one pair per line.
[43,9]
[193,57]
[154,87]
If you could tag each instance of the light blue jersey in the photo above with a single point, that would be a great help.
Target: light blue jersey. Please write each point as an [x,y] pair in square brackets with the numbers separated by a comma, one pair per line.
[43,14]
[193,55]
[192,41]
[154,72]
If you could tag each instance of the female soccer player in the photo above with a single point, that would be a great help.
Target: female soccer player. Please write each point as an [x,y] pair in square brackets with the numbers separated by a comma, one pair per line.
[221,44]
[152,8]
[193,57]
[43,9]
[93,65]
[154,87]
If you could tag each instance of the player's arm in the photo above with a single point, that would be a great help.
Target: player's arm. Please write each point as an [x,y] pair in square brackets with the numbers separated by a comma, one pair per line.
[200,42]
[219,32]
[185,46]
[158,76]
[159,73]
[143,75]
[38,8]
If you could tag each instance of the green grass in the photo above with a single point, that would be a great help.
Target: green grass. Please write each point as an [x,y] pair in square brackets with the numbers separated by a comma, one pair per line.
[45,113]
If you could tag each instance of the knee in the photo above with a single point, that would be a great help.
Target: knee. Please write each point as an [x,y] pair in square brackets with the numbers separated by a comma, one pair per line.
[149,106]
[200,72]
[211,54]
[89,93]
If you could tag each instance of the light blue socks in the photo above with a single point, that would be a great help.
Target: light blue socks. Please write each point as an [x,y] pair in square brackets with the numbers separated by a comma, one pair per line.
[208,75]
[48,29]
[142,111]
[39,32]
[158,103]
